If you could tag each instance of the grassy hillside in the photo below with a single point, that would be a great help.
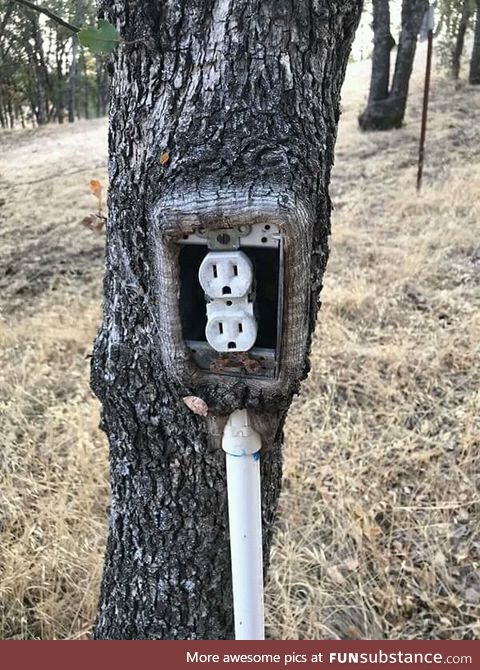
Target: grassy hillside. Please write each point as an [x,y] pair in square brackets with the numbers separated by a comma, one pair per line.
[379,528]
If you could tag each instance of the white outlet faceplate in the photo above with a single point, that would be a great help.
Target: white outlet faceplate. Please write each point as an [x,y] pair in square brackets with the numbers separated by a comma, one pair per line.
[231,325]
[226,274]
[227,279]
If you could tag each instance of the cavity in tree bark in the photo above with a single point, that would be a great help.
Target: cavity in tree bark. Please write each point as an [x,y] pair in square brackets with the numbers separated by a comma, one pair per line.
[389,112]
[244,98]
[474,76]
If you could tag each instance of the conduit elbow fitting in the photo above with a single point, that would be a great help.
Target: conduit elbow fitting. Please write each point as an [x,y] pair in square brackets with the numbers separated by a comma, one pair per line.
[239,438]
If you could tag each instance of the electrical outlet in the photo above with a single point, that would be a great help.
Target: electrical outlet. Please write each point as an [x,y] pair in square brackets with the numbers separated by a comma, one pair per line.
[237,333]
[231,325]
[227,279]
[226,274]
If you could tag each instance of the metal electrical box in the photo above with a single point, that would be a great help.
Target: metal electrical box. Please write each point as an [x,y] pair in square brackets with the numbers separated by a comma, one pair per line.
[263,245]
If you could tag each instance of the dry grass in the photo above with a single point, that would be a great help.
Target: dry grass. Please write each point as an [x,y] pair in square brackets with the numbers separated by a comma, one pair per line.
[378,533]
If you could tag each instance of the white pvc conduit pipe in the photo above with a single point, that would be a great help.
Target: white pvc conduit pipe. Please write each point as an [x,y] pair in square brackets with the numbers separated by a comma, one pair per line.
[242,444]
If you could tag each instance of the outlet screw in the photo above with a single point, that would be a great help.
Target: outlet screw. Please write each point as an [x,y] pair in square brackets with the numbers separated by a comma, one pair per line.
[223,238]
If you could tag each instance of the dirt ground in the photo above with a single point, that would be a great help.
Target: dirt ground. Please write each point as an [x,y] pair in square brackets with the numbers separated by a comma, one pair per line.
[379,526]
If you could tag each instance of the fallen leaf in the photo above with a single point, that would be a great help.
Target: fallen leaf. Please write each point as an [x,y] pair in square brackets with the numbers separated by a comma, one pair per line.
[196,405]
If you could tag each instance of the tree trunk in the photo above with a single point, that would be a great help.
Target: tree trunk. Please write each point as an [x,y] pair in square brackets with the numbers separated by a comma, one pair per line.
[102,84]
[41,71]
[460,39]
[474,76]
[383,43]
[389,113]
[3,123]
[59,88]
[86,87]
[72,81]
[78,19]
[244,97]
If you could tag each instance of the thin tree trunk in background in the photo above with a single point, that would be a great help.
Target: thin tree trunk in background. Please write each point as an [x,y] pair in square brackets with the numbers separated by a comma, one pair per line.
[86,87]
[474,76]
[72,81]
[11,114]
[389,113]
[383,43]
[60,92]
[79,19]
[102,85]
[5,82]
[245,97]
[460,39]
[20,114]
[42,78]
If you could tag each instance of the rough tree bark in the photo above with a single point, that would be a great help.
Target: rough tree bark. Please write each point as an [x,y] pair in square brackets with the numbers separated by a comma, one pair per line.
[460,38]
[389,112]
[474,75]
[244,97]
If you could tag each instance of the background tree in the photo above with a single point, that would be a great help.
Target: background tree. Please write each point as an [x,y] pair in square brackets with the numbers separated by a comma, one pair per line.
[44,73]
[454,16]
[383,43]
[474,75]
[244,99]
[466,13]
[384,113]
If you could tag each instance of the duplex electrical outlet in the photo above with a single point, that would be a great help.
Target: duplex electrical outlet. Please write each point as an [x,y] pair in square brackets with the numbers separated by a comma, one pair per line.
[226,273]
[227,279]
[231,299]
[231,325]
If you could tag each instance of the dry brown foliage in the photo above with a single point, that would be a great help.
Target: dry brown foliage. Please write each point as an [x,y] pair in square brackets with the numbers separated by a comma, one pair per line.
[378,533]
